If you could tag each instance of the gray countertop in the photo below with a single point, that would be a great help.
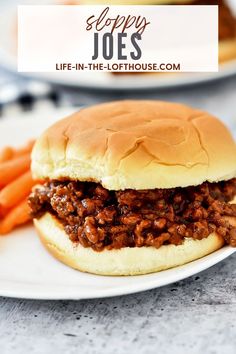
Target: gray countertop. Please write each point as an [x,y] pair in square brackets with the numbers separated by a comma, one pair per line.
[197,315]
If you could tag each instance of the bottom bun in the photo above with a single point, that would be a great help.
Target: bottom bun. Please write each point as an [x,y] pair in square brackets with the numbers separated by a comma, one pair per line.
[125,261]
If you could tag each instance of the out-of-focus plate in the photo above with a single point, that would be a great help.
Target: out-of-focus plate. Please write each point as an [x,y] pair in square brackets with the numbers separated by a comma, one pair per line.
[28,271]
[99,80]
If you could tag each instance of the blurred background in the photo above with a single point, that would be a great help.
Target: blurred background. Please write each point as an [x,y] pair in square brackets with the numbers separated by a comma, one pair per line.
[29,95]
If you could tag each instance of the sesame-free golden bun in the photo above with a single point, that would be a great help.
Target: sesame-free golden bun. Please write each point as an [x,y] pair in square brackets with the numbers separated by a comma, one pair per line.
[137,145]
[125,261]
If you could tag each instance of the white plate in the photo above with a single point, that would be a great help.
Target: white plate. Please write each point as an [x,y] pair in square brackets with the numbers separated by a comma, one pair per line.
[28,271]
[100,80]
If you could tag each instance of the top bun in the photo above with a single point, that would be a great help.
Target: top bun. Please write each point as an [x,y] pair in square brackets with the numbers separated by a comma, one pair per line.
[137,145]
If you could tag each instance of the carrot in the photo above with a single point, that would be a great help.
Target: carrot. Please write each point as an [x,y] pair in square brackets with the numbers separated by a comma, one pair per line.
[6,154]
[10,170]
[16,191]
[17,216]
[3,212]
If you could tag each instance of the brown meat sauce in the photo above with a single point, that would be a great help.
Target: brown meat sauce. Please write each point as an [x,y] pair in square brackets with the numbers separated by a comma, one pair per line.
[98,218]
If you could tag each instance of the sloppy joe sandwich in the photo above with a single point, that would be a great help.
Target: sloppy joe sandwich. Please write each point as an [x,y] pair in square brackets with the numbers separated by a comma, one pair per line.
[133,187]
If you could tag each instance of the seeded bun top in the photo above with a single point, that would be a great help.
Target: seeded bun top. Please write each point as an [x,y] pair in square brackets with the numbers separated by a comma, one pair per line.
[137,145]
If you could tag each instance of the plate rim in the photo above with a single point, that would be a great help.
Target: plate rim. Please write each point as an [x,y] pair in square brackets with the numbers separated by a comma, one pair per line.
[201,264]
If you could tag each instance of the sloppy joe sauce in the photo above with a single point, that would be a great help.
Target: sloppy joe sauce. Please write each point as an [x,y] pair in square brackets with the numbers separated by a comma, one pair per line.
[101,219]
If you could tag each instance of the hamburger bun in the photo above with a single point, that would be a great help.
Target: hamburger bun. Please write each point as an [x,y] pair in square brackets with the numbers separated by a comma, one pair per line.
[125,261]
[137,145]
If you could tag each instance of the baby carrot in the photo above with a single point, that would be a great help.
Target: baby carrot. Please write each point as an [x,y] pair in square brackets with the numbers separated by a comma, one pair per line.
[10,170]
[16,191]
[6,154]
[17,216]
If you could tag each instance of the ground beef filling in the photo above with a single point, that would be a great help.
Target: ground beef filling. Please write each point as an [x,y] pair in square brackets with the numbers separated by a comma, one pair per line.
[98,218]
[227,23]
